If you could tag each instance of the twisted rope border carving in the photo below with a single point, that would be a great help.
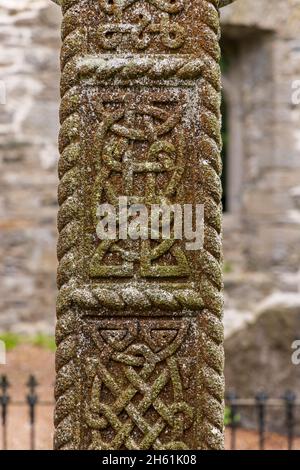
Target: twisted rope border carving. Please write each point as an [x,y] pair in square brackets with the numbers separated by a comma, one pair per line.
[146,299]
[211,380]
[155,69]
[67,406]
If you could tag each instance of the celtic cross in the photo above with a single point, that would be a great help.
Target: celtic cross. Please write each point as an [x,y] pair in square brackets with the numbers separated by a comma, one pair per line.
[139,322]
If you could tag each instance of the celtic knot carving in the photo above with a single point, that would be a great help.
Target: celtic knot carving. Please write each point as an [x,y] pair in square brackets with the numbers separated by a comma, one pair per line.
[141,27]
[121,131]
[139,349]
[172,34]
[114,7]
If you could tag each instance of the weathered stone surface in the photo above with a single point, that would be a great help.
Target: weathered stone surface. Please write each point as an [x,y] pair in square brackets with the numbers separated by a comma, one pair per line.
[139,331]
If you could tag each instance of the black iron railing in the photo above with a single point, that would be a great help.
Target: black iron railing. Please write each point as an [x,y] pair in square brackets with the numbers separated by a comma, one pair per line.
[237,414]
[262,405]
[31,402]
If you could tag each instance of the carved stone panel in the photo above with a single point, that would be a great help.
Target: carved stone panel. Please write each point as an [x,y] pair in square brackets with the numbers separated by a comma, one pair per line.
[139,332]
[139,376]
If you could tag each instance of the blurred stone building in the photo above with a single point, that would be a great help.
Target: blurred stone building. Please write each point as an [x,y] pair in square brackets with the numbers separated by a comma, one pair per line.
[29,68]
[261,47]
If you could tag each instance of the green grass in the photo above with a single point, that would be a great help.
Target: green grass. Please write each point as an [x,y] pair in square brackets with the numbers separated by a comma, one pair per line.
[44,341]
[11,340]
[41,340]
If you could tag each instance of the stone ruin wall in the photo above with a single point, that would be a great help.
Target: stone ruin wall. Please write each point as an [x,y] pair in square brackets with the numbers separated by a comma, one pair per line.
[262,231]
[264,63]
[29,62]
[262,315]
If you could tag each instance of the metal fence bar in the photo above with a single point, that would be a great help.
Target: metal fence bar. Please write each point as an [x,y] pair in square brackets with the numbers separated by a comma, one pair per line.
[4,401]
[290,399]
[271,402]
[32,400]
[261,399]
[233,422]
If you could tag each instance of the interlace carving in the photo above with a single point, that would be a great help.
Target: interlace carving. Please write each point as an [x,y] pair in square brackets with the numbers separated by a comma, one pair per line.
[142,28]
[116,139]
[126,422]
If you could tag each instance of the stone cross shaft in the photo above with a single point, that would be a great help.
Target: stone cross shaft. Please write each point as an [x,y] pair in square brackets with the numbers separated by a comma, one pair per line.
[139,322]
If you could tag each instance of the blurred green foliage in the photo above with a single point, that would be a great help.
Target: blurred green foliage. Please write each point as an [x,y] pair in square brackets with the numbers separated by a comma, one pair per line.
[228,417]
[41,340]
[227,267]
[44,341]
[11,340]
